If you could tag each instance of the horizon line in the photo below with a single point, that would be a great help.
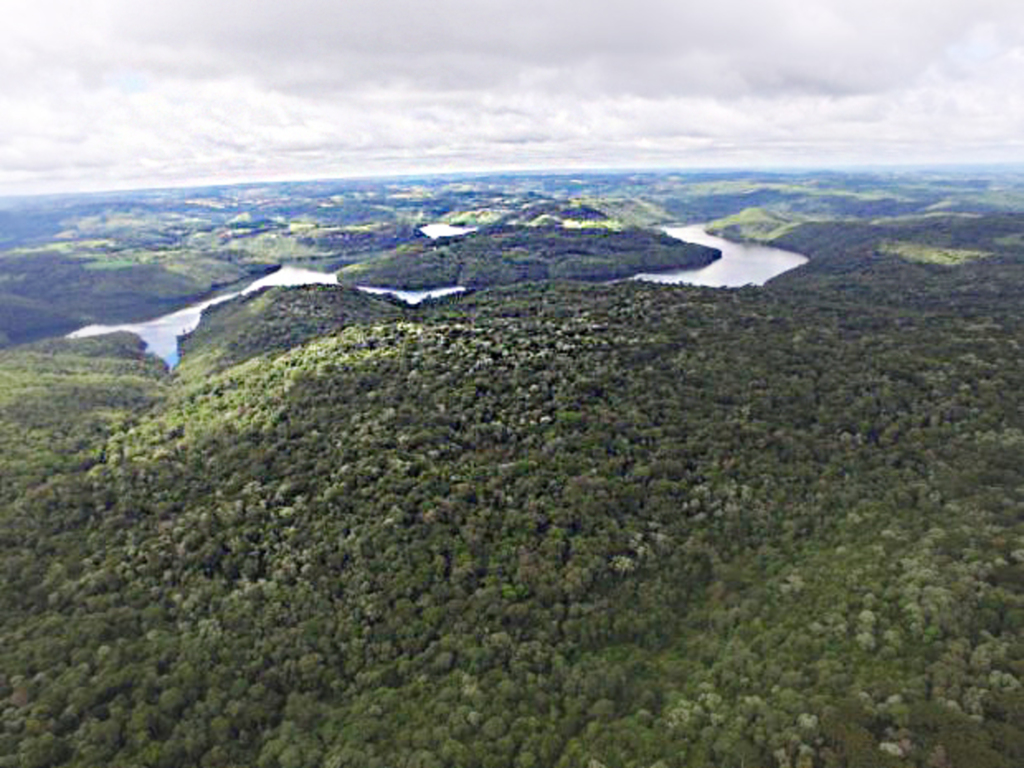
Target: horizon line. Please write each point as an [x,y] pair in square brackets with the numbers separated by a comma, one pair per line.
[435,175]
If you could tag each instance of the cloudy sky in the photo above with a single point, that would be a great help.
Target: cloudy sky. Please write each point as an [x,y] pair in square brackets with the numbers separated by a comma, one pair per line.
[100,94]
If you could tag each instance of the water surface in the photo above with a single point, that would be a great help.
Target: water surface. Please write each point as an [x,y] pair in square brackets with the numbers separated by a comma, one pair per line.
[741,263]
[161,334]
[413,297]
[434,231]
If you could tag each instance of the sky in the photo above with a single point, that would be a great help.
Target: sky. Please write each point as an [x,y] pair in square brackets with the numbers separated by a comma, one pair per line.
[120,94]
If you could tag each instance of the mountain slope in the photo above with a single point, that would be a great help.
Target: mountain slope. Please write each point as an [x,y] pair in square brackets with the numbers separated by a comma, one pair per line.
[60,399]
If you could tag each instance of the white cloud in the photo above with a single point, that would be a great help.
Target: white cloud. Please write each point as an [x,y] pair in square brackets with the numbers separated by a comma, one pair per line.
[102,93]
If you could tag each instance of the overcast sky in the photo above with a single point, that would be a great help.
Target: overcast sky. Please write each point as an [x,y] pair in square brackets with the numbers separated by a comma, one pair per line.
[100,94]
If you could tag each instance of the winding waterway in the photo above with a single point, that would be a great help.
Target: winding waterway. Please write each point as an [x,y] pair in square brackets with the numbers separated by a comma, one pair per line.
[741,264]
[161,334]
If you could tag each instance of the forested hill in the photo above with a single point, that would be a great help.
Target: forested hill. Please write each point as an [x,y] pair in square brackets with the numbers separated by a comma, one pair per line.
[544,525]
[274,320]
[60,399]
[507,254]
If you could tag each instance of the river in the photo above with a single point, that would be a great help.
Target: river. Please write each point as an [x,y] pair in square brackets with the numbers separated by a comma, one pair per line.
[741,264]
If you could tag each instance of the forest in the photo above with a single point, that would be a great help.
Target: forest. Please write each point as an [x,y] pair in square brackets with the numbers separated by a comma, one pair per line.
[517,254]
[548,523]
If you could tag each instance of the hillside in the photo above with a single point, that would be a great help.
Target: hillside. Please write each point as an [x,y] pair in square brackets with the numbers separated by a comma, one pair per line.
[74,260]
[60,399]
[274,320]
[547,525]
[505,255]
[542,524]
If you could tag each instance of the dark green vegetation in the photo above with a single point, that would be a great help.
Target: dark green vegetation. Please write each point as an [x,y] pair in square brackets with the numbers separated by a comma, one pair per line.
[540,525]
[48,294]
[515,254]
[274,320]
[69,262]
[59,400]
[908,260]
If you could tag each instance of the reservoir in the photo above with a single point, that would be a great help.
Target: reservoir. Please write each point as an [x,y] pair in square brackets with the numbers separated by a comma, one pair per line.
[741,264]
[161,334]
[434,231]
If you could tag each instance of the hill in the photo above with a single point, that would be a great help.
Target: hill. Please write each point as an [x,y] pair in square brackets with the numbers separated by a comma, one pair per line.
[61,399]
[276,319]
[544,525]
[504,255]
[47,293]
[69,261]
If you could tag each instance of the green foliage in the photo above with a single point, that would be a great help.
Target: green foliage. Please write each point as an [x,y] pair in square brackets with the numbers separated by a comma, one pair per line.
[932,255]
[47,294]
[274,320]
[507,255]
[753,224]
[123,257]
[547,526]
[60,399]
[24,319]
[544,525]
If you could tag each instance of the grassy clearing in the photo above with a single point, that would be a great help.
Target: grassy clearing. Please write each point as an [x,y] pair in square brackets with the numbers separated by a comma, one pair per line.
[372,226]
[609,224]
[478,218]
[755,224]
[111,264]
[929,254]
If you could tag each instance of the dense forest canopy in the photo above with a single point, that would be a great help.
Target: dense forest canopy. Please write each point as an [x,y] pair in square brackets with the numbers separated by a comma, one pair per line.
[543,524]
[517,254]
